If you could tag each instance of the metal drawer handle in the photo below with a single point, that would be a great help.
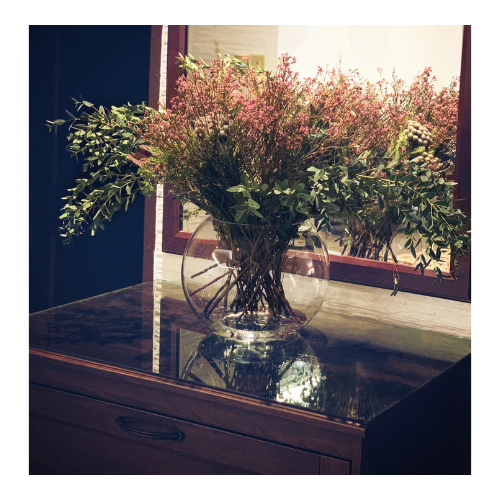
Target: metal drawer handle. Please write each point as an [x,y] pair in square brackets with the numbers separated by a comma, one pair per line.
[170,436]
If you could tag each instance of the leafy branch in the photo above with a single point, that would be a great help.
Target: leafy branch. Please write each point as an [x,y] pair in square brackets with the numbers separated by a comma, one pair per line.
[410,194]
[106,140]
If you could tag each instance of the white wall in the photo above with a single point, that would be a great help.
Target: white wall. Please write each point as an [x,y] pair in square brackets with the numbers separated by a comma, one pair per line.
[408,49]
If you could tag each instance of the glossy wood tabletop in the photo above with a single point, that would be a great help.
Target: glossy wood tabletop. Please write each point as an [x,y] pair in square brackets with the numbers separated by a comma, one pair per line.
[344,367]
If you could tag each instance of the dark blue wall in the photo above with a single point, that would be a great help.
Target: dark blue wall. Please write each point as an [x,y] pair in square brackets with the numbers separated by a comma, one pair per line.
[104,65]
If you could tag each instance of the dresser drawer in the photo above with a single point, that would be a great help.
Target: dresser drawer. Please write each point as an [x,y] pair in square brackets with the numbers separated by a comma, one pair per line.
[71,434]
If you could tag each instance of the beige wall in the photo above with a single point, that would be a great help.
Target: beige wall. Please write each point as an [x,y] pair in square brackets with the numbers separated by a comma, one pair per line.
[408,49]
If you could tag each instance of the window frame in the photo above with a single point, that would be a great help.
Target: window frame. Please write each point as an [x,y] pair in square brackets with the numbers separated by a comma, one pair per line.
[353,269]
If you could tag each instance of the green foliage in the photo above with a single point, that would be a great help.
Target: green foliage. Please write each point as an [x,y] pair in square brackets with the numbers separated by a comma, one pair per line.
[104,139]
[370,190]
[409,193]
[252,147]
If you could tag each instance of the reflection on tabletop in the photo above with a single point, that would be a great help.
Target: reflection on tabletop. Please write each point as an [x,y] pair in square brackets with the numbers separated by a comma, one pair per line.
[342,366]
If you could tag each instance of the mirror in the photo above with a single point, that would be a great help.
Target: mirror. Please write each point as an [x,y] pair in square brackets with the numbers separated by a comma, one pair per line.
[406,49]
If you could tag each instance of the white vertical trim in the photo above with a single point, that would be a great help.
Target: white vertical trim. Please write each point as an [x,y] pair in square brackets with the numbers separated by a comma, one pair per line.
[163,72]
[157,294]
[158,254]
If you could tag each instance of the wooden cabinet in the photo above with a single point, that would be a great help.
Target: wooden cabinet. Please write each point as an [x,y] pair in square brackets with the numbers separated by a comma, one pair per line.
[79,435]
[75,434]
[109,395]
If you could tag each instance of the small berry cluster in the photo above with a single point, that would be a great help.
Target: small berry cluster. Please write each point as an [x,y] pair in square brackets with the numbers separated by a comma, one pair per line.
[430,160]
[204,126]
[224,130]
[418,133]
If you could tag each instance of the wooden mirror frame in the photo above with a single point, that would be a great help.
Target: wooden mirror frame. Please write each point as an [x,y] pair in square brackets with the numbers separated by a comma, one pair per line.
[342,268]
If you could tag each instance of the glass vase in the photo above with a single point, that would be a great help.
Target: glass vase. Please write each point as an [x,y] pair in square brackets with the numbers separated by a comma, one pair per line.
[255,283]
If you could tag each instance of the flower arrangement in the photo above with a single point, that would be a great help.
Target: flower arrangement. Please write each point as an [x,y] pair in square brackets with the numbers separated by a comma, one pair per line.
[269,150]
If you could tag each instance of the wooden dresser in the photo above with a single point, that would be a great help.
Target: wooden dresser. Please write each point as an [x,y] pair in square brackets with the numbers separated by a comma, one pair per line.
[129,383]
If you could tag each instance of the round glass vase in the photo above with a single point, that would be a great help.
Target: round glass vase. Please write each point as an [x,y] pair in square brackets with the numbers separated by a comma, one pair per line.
[255,283]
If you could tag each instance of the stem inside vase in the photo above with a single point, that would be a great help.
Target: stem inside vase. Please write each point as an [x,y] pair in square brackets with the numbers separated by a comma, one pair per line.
[258,254]
[266,283]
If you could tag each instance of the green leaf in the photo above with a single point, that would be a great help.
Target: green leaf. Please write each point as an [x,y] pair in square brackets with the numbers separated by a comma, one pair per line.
[380,201]
[255,212]
[438,273]
[243,208]
[252,203]
[317,175]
